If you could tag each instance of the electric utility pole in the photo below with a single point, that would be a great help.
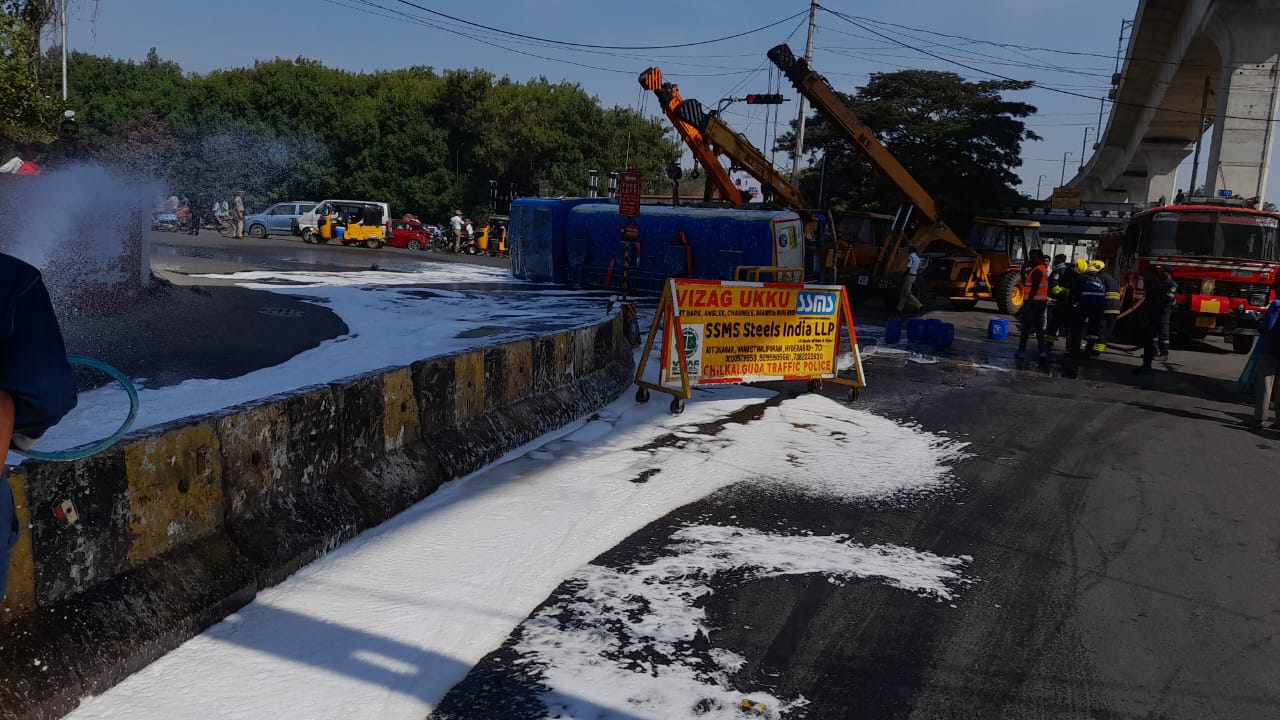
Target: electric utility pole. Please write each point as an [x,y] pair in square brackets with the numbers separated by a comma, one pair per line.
[804,106]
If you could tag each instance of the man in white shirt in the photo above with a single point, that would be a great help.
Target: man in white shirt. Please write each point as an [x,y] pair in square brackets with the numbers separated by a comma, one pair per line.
[906,295]
[455,224]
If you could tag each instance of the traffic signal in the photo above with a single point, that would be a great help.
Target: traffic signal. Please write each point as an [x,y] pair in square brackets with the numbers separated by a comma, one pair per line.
[764,99]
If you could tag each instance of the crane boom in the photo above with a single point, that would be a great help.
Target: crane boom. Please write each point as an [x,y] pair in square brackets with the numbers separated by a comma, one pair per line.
[741,153]
[669,95]
[815,88]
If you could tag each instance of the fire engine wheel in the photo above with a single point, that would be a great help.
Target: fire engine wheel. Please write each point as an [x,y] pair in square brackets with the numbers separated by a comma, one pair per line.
[1009,293]
[963,304]
[677,406]
[1242,344]
[642,395]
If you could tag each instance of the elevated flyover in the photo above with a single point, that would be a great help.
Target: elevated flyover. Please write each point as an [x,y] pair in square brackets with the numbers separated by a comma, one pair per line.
[1179,50]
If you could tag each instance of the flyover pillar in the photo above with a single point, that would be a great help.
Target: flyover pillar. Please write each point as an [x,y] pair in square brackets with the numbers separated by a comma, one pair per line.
[1162,170]
[1244,129]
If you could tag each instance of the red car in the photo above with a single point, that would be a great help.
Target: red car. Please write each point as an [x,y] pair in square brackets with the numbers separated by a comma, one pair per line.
[409,235]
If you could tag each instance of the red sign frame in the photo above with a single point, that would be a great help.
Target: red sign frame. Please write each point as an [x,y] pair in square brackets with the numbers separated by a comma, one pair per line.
[629,194]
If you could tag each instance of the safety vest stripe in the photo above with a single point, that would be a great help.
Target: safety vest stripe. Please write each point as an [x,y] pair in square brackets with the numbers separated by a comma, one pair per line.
[1041,292]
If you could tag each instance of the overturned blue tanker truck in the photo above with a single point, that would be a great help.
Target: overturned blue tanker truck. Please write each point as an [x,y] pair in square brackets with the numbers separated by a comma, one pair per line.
[585,242]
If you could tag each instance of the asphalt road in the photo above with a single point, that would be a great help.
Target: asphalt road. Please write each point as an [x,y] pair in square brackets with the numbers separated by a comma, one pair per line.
[1122,532]
[175,255]
[1123,543]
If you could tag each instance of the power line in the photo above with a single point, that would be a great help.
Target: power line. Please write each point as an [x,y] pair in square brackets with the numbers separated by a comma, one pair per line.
[602,47]
[1032,83]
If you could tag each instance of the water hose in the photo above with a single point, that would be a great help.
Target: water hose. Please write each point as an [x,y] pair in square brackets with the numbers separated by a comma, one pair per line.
[94,449]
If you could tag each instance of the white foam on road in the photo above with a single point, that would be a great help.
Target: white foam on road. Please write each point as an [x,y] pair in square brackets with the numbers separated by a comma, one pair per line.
[427,273]
[624,642]
[386,624]
[387,327]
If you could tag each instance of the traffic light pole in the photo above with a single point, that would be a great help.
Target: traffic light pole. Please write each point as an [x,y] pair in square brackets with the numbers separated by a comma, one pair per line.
[808,58]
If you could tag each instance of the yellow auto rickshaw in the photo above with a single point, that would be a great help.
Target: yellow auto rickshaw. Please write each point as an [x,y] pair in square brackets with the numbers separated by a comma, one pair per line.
[493,236]
[351,223]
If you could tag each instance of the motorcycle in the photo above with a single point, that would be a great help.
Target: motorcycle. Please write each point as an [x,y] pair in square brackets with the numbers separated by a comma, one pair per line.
[165,222]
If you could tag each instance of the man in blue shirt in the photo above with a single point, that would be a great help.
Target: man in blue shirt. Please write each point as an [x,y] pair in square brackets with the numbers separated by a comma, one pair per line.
[1268,360]
[37,388]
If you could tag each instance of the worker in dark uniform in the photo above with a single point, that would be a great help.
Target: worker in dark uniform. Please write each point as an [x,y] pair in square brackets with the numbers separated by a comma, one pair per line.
[37,388]
[1156,310]
[1055,312]
[1088,302]
[1112,307]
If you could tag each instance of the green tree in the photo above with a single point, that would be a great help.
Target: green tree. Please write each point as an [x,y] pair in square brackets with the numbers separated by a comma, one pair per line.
[27,114]
[961,141]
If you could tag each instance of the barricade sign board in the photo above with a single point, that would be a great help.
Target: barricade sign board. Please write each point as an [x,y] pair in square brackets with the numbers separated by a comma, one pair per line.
[718,332]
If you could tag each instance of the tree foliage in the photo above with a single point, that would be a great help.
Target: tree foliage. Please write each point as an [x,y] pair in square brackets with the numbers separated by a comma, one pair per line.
[27,113]
[960,140]
[424,141]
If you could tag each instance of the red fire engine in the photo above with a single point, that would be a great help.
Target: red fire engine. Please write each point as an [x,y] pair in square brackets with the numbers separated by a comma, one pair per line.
[1224,258]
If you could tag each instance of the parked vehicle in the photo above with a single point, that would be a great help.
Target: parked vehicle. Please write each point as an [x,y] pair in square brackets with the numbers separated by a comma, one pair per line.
[1223,256]
[308,222]
[165,222]
[410,235]
[492,238]
[277,219]
[350,223]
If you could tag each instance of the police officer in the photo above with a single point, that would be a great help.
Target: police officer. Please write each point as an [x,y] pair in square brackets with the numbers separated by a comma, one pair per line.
[37,388]
[1156,308]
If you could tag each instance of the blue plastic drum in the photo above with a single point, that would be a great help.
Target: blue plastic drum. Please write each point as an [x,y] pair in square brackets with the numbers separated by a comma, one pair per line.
[915,330]
[932,330]
[998,329]
[893,332]
[946,335]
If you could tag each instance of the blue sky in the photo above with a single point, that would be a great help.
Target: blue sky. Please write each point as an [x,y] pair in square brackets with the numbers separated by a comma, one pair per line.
[353,35]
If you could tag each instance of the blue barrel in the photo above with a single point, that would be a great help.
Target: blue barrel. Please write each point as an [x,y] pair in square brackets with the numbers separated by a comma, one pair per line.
[339,232]
[915,330]
[998,329]
[946,334]
[932,328]
[893,332]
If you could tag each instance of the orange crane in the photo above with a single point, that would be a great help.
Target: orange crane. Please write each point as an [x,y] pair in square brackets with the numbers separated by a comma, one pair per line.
[990,267]
[717,177]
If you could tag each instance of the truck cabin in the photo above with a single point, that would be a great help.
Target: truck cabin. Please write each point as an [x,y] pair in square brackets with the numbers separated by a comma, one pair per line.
[1012,238]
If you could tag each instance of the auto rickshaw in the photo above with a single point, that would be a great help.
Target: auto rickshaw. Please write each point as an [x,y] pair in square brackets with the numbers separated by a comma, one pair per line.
[351,223]
[493,237]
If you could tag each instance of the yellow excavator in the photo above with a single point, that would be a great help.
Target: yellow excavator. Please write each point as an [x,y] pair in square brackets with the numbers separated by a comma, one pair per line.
[718,178]
[856,234]
[989,267]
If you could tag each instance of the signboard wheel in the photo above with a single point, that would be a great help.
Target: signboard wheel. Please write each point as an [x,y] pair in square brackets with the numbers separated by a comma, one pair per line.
[642,395]
[677,406]
[853,394]
[815,385]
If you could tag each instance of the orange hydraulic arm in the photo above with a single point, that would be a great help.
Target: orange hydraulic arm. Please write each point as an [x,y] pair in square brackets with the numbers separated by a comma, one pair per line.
[669,95]
[741,153]
[818,91]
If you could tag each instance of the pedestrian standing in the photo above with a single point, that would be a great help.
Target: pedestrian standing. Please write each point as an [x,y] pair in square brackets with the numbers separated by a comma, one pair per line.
[906,293]
[1267,359]
[1056,313]
[455,224]
[193,216]
[1035,287]
[237,214]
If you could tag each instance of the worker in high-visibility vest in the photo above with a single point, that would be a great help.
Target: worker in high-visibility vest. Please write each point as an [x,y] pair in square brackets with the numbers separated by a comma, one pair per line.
[1035,294]
[37,388]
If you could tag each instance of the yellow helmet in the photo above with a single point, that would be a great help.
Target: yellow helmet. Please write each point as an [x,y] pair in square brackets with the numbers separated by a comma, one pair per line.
[1097,266]
[1081,266]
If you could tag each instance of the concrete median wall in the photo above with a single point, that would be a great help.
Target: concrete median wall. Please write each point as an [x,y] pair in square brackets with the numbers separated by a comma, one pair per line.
[179,526]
